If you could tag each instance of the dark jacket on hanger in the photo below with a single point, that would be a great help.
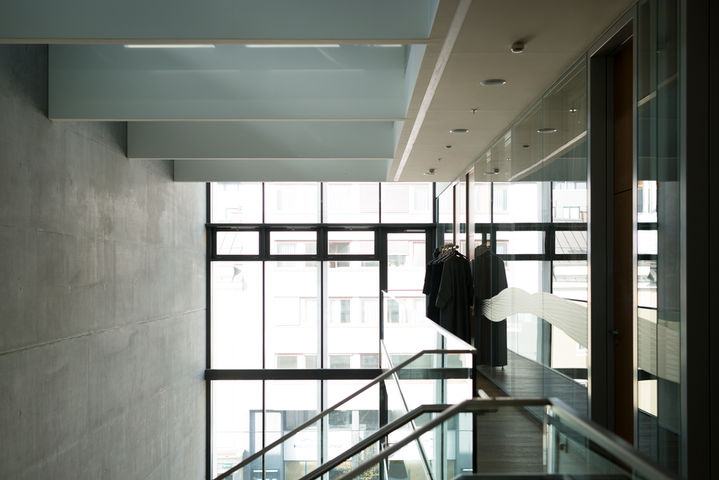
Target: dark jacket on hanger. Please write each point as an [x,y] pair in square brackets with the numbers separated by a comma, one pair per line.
[489,279]
[454,296]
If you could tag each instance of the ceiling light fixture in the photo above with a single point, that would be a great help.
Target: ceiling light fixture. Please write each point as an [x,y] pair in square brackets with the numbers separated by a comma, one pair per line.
[526,145]
[547,130]
[173,45]
[459,130]
[573,109]
[430,171]
[292,45]
[448,146]
[517,47]
[494,171]
[493,82]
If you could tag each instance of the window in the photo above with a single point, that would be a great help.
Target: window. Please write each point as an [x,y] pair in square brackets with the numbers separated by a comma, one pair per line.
[340,361]
[339,310]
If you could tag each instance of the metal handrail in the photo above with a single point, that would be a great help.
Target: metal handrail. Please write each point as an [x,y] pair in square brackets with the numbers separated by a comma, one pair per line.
[610,442]
[334,407]
[375,437]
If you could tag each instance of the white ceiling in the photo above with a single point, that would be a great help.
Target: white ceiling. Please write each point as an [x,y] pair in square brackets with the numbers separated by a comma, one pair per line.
[556,33]
[256,111]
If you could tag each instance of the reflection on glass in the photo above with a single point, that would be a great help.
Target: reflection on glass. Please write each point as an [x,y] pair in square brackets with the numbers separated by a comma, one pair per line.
[647,283]
[350,202]
[291,313]
[570,242]
[236,202]
[569,202]
[407,202]
[236,430]
[658,208]
[347,242]
[238,243]
[518,242]
[236,314]
[352,303]
[521,202]
[293,243]
[569,279]
[292,202]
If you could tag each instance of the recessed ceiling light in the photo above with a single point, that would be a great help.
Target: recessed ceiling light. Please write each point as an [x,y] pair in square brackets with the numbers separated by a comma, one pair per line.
[526,145]
[459,130]
[493,82]
[517,47]
[430,171]
[173,45]
[448,146]
[572,109]
[494,171]
[547,130]
[292,45]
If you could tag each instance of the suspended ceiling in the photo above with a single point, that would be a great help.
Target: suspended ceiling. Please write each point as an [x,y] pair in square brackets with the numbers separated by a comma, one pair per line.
[319,89]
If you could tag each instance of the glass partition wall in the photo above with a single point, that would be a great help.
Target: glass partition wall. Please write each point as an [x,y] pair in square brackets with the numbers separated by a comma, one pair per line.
[528,212]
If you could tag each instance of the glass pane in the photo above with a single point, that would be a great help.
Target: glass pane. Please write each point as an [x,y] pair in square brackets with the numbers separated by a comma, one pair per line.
[353,421]
[521,202]
[352,312]
[236,427]
[406,259]
[518,242]
[292,202]
[445,216]
[293,243]
[460,224]
[238,243]
[236,314]
[569,279]
[346,202]
[570,242]
[292,313]
[236,202]
[569,202]
[647,242]
[290,403]
[646,201]
[347,242]
[482,202]
[647,283]
[407,202]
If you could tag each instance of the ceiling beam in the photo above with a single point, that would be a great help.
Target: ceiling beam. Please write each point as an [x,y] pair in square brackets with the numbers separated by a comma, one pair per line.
[295,170]
[262,140]
[100,21]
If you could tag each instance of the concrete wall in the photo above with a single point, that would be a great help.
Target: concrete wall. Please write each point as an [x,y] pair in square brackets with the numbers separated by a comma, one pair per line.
[102,297]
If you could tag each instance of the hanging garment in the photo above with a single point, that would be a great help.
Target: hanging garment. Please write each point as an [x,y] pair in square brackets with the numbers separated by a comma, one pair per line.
[489,279]
[432,277]
[454,296]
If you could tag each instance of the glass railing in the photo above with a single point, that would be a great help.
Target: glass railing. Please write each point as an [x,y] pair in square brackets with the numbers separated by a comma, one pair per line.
[305,441]
[494,438]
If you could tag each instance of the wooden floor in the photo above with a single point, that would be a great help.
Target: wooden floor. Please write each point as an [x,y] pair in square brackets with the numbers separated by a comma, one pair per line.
[524,378]
[510,440]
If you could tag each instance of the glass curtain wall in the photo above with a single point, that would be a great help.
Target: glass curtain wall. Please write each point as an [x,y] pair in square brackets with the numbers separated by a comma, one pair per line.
[658,228]
[295,276]
[529,211]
